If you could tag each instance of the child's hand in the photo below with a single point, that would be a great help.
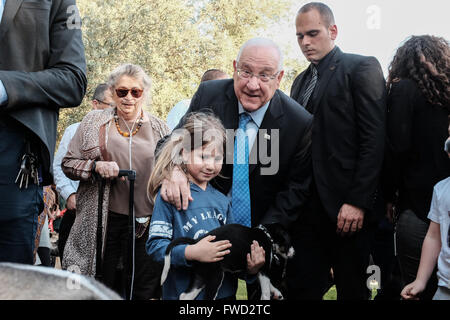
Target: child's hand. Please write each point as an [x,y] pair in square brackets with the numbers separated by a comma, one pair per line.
[411,291]
[207,251]
[256,258]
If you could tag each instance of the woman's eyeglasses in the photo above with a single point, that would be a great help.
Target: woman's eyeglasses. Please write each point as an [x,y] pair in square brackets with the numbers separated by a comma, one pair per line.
[135,93]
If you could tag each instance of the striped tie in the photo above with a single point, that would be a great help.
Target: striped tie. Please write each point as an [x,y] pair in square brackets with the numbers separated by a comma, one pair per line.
[310,88]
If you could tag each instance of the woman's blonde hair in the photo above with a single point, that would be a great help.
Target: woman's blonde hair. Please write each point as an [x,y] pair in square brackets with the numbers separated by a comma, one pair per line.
[199,130]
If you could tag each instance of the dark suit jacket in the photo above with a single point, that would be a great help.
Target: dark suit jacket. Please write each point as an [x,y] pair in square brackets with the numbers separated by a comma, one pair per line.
[42,67]
[348,131]
[277,197]
[415,158]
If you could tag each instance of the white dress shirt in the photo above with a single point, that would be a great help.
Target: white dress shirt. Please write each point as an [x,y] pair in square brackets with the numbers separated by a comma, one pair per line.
[64,185]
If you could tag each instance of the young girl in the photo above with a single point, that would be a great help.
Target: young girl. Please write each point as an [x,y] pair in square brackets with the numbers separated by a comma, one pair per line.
[436,246]
[198,149]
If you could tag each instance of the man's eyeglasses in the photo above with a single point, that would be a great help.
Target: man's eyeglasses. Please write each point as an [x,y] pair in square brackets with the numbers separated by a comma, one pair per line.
[123,92]
[245,74]
[106,103]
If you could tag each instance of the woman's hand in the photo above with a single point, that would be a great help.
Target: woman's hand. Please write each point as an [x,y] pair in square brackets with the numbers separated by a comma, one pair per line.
[256,258]
[107,169]
[207,251]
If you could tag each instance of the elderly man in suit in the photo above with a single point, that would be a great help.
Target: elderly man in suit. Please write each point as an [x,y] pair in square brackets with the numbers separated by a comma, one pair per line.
[272,124]
[346,94]
[42,69]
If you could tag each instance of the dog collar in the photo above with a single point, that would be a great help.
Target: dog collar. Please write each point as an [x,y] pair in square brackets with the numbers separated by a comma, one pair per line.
[266,232]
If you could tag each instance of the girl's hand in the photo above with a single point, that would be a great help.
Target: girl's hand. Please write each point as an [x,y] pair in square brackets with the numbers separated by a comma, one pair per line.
[411,291]
[256,258]
[207,251]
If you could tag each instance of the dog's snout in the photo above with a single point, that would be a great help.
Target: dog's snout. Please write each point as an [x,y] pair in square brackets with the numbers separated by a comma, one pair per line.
[291,252]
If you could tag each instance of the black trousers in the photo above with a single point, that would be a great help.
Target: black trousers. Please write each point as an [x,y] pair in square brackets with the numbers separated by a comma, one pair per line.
[318,248]
[411,232]
[64,230]
[147,272]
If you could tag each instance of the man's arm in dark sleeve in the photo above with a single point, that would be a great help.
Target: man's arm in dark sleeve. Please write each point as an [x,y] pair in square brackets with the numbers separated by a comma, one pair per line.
[63,82]
[369,96]
[289,202]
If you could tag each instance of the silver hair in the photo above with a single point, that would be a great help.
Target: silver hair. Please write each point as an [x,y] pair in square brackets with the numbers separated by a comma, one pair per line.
[132,71]
[262,42]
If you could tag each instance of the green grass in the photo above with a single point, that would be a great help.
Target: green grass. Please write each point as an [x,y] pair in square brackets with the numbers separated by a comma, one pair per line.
[241,291]
[330,295]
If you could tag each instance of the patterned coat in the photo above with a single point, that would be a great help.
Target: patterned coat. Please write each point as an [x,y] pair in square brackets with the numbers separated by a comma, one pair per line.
[87,146]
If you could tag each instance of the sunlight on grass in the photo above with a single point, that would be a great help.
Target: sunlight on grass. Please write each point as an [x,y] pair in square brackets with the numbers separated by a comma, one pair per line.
[330,295]
[241,291]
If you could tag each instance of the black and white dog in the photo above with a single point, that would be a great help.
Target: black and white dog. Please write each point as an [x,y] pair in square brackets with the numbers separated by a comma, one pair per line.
[209,276]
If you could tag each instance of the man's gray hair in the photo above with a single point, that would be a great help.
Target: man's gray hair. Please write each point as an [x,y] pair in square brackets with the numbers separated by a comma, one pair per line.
[262,42]
[99,93]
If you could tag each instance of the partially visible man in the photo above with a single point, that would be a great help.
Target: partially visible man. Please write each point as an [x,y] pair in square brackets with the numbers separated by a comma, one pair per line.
[180,108]
[346,94]
[270,125]
[42,69]
[66,187]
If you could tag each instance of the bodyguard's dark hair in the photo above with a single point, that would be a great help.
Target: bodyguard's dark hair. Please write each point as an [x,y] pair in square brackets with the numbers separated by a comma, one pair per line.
[323,9]
[426,60]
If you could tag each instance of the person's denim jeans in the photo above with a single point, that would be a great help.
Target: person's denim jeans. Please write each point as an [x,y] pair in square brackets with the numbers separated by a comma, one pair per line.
[19,208]
[442,293]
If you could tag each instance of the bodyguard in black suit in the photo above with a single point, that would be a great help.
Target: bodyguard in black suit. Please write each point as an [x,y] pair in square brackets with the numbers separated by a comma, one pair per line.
[346,95]
[42,69]
[278,182]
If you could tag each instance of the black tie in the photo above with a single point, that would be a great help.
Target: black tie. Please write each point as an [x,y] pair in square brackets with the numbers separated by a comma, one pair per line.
[309,90]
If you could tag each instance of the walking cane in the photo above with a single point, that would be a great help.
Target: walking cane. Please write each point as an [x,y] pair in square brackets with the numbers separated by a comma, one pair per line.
[99,262]
[131,175]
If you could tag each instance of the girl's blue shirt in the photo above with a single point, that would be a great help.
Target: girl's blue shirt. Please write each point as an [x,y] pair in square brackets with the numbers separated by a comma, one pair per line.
[209,210]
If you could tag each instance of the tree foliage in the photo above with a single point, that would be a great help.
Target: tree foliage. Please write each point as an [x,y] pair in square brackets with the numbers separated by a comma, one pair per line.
[175,41]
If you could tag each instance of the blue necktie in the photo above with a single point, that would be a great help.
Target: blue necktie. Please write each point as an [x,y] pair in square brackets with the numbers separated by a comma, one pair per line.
[240,193]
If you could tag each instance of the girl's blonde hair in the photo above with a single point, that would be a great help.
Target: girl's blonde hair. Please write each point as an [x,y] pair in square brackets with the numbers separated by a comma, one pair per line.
[199,130]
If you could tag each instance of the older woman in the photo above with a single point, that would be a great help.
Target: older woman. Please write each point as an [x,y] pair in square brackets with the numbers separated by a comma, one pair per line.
[122,137]
[419,106]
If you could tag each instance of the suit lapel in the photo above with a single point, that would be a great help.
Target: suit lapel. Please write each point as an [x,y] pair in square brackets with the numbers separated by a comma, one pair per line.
[9,13]
[270,121]
[229,114]
[324,80]
[231,109]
